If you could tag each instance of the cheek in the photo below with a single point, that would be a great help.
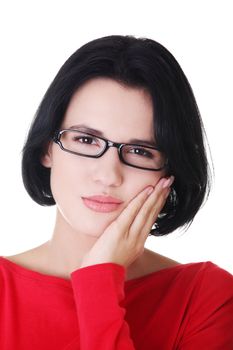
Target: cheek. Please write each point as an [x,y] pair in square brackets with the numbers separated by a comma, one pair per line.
[65,178]
[143,180]
[68,183]
[139,182]
[70,180]
[154,178]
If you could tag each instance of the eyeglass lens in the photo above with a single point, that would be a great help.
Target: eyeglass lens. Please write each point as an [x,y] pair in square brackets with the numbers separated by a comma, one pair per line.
[82,143]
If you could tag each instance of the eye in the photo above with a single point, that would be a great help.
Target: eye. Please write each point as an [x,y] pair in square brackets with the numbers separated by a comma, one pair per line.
[88,139]
[141,152]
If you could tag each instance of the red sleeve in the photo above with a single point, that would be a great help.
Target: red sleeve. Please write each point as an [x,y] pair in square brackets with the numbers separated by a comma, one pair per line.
[210,323]
[99,291]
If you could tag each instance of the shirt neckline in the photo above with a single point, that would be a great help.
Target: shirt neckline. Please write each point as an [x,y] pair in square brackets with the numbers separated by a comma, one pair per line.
[23,271]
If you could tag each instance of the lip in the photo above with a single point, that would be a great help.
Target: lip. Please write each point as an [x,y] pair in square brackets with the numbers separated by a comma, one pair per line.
[101,204]
[104,199]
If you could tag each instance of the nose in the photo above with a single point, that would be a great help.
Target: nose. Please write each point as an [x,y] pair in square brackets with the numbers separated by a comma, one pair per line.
[107,169]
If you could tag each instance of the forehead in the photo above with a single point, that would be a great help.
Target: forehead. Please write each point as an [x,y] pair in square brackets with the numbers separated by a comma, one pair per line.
[106,105]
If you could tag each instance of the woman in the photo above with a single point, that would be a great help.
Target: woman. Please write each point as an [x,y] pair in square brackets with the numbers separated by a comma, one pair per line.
[117,145]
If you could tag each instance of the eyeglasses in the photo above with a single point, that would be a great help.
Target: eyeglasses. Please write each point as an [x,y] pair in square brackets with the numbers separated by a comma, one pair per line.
[88,145]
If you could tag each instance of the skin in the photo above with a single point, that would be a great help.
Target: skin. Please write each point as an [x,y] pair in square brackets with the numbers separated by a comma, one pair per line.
[123,241]
[82,237]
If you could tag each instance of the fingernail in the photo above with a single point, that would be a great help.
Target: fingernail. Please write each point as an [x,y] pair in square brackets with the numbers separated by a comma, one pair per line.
[169,181]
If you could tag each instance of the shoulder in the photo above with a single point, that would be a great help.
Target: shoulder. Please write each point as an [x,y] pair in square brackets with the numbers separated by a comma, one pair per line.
[215,277]
[206,281]
[204,285]
[214,285]
[210,306]
[212,295]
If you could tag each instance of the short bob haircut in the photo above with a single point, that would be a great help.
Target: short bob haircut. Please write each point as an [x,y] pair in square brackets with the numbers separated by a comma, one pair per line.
[178,128]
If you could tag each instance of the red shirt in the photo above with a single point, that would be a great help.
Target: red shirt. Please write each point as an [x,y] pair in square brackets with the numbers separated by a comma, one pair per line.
[185,307]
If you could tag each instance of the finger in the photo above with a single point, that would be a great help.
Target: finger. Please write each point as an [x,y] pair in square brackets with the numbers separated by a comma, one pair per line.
[163,189]
[128,215]
[147,215]
[152,203]
[152,218]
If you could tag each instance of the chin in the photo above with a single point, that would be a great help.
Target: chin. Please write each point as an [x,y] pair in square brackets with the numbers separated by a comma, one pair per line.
[93,226]
[84,221]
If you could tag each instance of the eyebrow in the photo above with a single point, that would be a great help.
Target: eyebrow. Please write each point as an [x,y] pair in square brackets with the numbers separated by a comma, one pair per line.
[86,128]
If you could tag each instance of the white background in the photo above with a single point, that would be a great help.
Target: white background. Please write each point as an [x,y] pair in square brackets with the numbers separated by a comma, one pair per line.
[37,37]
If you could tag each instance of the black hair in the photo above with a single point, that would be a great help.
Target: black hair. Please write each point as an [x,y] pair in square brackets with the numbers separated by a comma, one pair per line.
[178,128]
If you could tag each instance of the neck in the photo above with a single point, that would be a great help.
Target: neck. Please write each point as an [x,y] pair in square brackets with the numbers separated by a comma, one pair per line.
[64,252]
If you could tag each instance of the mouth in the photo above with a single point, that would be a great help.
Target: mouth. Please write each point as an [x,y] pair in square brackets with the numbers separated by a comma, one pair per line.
[100,206]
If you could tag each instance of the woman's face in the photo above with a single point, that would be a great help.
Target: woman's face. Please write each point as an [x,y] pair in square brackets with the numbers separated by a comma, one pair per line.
[121,114]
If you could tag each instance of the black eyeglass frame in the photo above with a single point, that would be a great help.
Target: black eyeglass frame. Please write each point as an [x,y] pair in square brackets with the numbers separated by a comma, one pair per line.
[108,144]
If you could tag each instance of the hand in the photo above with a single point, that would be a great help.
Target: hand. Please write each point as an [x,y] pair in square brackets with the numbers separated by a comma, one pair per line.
[123,240]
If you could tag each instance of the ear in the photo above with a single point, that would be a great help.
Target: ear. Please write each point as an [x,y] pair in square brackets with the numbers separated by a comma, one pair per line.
[46,158]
